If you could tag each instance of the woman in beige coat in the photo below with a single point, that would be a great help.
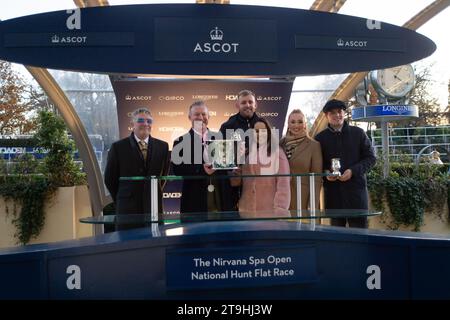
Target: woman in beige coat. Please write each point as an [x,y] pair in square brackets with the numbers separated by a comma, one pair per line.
[304,155]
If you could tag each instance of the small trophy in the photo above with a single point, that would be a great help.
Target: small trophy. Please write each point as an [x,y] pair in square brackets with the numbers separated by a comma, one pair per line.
[335,167]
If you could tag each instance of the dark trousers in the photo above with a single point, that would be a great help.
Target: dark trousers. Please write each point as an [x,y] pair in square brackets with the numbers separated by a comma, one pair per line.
[360,222]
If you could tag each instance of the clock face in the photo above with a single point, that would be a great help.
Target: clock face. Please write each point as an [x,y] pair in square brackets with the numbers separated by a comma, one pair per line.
[395,82]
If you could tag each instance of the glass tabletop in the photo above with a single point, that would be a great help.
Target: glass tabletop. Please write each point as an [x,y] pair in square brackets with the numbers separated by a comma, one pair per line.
[304,215]
[226,174]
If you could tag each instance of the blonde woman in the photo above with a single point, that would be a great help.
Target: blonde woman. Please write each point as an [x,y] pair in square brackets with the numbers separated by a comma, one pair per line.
[304,155]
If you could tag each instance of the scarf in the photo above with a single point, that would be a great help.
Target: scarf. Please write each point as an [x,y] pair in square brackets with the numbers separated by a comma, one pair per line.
[291,142]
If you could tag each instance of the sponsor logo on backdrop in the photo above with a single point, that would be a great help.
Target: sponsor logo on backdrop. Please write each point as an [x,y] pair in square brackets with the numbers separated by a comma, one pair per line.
[205,97]
[137,98]
[171,195]
[351,43]
[229,114]
[171,212]
[171,98]
[231,97]
[170,113]
[216,35]
[269,98]
[212,113]
[268,114]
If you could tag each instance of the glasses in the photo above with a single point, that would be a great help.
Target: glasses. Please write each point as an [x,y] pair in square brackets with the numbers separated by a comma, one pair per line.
[144,120]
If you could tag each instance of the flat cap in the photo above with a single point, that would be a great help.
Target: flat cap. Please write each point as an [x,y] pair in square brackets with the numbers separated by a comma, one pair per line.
[334,104]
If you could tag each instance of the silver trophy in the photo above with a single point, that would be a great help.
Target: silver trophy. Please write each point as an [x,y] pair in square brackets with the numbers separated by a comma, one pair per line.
[222,155]
[335,167]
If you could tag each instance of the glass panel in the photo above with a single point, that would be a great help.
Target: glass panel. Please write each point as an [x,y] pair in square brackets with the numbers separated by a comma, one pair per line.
[95,103]
[309,94]
[207,203]
[133,219]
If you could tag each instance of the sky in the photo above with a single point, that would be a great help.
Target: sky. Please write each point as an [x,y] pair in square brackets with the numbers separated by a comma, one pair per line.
[395,12]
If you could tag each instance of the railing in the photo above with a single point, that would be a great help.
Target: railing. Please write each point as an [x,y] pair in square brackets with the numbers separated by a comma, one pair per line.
[154,216]
[411,140]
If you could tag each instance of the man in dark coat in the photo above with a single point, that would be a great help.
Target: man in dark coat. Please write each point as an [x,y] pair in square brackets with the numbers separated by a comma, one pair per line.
[234,129]
[198,195]
[352,147]
[137,155]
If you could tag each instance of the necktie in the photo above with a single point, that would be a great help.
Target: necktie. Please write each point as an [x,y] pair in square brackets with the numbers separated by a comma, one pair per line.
[143,147]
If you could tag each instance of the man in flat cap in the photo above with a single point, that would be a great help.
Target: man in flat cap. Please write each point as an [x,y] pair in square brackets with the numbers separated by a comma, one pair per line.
[352,147]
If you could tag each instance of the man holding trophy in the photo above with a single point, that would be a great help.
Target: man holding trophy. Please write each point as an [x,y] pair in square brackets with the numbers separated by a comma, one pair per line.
[236,128]
[348,153]
[198,195]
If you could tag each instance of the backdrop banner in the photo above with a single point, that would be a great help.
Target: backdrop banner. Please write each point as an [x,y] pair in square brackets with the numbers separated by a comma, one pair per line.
[169,102]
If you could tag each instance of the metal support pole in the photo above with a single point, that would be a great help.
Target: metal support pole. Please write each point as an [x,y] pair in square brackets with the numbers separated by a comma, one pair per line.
[154,198]
[385,143]
[298,185]
[312,195]
[312,199]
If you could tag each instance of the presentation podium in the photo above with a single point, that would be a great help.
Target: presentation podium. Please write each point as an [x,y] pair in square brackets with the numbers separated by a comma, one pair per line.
[236,259]
[231,255]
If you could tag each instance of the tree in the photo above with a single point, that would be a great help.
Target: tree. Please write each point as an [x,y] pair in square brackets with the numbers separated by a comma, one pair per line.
[19,102]
[430,113]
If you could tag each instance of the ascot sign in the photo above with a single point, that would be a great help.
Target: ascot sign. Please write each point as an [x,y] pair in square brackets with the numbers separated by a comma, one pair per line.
[192,39]
[216,35]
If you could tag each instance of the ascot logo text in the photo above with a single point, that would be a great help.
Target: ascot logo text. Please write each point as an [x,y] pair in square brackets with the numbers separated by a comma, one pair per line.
[351,43]
[137,98]
[269,98]
[75,39]
[216,35]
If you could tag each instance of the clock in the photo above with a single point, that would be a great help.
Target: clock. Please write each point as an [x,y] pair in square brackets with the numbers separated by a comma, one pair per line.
[394,82]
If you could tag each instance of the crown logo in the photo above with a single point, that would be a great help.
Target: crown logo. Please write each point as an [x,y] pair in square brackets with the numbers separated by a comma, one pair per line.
[216,34]
[340,43]
[259,98]
[55,39]
[127,97]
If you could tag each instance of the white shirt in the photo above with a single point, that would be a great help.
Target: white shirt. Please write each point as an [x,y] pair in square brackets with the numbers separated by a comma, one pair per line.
[203,136]
[137,139]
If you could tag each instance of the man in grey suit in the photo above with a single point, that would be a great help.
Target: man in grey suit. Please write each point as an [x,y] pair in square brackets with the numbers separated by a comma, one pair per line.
[137,155]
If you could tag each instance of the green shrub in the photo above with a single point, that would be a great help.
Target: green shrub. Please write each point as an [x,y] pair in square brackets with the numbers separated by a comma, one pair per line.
[409,190]
[32,184]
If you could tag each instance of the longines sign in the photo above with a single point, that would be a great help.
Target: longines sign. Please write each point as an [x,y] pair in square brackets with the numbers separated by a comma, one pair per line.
[217,40]
[193,39]
[385,112]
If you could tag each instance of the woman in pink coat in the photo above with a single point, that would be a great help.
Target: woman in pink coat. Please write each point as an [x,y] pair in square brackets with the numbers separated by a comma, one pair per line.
[265,197]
